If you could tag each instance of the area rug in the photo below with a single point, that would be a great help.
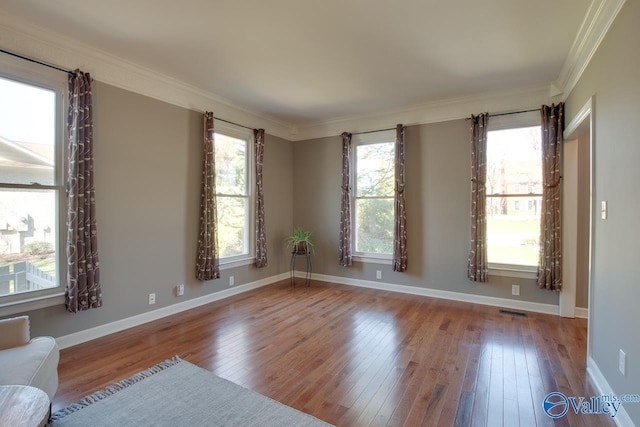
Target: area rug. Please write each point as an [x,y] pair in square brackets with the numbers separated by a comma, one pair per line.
[178,393]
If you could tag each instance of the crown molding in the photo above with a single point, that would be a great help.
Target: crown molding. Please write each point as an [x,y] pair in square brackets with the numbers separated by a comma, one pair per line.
[25,38]
[599,17]
[22,37]
[432,112]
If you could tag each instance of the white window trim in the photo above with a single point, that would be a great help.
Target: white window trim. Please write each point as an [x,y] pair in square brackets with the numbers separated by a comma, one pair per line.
[37,75]
[373,258]
[32,302]
[512,121]
[228,263]
[528,119]
[356,140]
[513,270]
[234,131]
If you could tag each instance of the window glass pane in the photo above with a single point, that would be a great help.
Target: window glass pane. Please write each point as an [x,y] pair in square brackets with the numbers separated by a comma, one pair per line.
[232,226]
[513,230]
[514,161]
[27,240]
[375,169]
[374,225]
[514,167]
[231,165]
[27,133]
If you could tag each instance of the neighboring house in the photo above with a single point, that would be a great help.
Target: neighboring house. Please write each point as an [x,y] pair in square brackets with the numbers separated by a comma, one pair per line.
[22,219]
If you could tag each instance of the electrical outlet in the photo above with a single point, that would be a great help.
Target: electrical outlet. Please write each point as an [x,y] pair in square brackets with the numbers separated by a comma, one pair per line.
[515,289]
[231,281]
[180,289]
[152,298]
[622,362]
[378,274]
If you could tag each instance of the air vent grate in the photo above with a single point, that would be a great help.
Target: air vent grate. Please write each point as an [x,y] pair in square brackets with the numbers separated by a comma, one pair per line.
[514,313]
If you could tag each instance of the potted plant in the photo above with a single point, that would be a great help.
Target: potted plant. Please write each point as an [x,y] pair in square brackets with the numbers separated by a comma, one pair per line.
[300,241]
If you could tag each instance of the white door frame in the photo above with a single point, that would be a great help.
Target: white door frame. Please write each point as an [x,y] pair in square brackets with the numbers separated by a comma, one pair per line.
[581,123]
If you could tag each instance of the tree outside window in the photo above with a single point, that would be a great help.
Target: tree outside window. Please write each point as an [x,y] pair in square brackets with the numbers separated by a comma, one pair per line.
[374,198]
[232,195]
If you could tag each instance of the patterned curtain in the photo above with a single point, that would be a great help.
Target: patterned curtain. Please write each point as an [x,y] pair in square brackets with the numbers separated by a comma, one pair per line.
[261,234]
[477,268]
[207,265]
[83,290]
[550,264]
[345,257]
[399,211]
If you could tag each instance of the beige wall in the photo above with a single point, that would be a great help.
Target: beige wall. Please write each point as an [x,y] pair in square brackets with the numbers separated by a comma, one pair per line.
[147,162]
[613,80]
[582,255]
[147,181]
[575,218]
[438,209]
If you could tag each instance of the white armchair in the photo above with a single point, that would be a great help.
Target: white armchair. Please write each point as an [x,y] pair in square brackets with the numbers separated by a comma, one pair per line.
[25,360]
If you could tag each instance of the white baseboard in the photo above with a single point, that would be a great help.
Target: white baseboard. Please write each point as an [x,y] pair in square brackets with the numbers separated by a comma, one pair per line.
[436,293]
[622,418]
[120,325]
[582,313]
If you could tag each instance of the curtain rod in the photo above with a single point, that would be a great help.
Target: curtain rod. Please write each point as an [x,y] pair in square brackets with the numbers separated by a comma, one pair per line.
[372,131]
[231,123]
[508,114]
[26,58]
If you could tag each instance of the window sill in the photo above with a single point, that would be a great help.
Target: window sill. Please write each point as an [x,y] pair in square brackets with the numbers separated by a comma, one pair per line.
[28,304]
[372,259]
[226,265]
[516,271]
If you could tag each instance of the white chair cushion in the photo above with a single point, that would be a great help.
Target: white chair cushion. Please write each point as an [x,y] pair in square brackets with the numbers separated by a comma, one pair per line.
[15,332]
[34,364]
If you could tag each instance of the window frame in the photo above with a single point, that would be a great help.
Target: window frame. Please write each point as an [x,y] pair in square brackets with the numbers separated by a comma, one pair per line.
[22,71]
[522,120]
[356,141]
[234,131]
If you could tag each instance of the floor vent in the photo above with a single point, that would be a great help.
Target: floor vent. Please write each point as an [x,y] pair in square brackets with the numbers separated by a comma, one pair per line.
[514,313]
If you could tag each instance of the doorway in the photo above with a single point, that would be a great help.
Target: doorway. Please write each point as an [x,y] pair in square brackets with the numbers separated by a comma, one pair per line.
[577,216]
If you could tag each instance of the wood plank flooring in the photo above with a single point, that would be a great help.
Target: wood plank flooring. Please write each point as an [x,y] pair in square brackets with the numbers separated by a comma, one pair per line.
[359,357]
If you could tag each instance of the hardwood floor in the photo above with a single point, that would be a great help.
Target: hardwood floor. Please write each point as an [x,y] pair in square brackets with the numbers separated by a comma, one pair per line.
[359,357]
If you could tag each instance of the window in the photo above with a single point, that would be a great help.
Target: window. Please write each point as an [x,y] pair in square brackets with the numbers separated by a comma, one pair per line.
[32,191]
[514,179]
[373,196]
[233,192]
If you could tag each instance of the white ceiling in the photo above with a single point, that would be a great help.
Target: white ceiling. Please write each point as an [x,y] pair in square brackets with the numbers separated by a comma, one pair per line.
[310,62]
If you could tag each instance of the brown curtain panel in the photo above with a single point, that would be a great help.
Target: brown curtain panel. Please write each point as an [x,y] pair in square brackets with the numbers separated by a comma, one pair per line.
[344,252]
[399,210]
[207,264]
[550,264]
[477,267]
[83,290]
[261,234]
